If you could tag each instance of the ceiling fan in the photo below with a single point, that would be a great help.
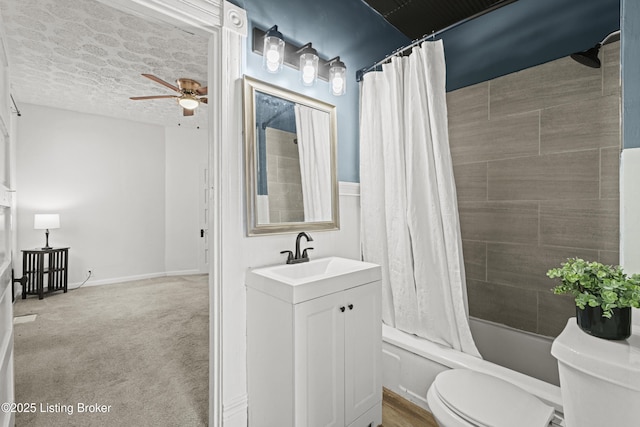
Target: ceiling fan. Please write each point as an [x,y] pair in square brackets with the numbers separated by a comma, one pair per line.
[191,93]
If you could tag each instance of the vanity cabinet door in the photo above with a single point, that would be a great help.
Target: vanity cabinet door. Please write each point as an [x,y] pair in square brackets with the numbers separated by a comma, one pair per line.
[363,351]
[319,362]
[338,351]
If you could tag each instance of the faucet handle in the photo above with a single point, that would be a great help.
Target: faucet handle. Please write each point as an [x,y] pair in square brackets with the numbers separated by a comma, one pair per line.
[304,253]
[289,257]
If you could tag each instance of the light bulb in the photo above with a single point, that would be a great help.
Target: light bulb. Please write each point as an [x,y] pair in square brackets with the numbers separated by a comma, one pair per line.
[273,50]
[337,77]
[189,102]
[273,55]
[337,85]
[308,73]
[309,67]
[273,60]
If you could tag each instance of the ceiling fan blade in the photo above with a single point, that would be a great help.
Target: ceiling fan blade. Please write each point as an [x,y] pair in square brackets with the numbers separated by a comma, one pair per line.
[138,98]
[202,91]
[186,112]
[204,100]
[162,82]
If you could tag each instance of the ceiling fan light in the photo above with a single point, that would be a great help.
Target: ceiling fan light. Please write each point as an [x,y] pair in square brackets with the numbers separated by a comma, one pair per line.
[189,102]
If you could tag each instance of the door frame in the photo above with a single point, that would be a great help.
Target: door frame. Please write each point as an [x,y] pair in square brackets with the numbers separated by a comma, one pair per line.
[226,25]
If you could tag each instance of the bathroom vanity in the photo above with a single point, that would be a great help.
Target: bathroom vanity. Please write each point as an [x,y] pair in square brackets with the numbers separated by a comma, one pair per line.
[314,344]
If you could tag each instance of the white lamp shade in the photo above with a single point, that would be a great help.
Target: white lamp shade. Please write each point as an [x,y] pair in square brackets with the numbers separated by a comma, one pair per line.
[46,221]
[189,102]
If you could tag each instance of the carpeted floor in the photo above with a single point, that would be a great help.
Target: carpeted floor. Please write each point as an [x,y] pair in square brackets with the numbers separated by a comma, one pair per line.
[137,351]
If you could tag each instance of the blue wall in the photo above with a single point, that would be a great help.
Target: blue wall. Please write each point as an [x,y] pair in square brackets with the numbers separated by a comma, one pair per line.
[517,36]
[525,34]
[631,73]
[346,28]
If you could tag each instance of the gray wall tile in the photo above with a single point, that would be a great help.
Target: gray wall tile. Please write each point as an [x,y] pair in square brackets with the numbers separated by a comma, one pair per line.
[471,181]
[288,174]
[515,222]
[550,142]
[610,59]
[526,266]
[553,312]
[468,104]
[561,176]
[475,259]
[593,123]
[609,257]
[554,83]
[591,224]
[610,173]
[506,138]
[272,168]
[503,304]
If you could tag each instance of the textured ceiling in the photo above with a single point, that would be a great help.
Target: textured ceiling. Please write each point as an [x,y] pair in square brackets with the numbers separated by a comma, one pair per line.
[82,55]
[416,18]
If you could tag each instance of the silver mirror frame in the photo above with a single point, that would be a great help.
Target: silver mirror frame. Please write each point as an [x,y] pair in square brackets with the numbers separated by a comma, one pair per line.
[250,87]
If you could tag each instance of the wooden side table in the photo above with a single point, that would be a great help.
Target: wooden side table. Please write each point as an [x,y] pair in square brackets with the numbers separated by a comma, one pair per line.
[38,262]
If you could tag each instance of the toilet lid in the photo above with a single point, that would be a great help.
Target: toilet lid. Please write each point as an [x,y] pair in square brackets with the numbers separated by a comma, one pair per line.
[487,401]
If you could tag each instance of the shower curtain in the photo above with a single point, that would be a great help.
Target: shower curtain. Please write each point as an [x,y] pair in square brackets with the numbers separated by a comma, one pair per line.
[314,152]
[410,222]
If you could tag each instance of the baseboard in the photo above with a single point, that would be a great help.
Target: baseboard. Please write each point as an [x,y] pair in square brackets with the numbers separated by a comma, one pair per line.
[234,411]
[183,273]
[116,280]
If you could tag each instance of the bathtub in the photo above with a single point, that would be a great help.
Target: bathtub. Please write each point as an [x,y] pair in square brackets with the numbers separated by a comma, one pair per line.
[410,364]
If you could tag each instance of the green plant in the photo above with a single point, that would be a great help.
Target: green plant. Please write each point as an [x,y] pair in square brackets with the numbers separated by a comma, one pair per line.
[595,284]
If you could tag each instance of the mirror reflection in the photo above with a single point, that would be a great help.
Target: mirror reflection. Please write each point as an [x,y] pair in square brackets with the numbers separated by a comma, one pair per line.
[290,150]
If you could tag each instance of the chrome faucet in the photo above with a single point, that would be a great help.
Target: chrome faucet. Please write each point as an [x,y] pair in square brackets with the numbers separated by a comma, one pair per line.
[298,257]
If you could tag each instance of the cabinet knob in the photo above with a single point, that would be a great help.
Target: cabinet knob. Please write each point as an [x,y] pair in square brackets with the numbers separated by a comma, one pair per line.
[350,306]
[342,308]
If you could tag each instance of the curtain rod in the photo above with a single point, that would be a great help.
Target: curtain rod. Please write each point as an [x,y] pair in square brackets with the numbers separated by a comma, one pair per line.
[360,73]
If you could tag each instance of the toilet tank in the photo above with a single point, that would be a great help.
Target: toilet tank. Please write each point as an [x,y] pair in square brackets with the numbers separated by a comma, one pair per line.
[599,379]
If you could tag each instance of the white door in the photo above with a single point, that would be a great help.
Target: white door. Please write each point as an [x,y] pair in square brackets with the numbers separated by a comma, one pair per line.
[7,164]
[203,201]
[363,350]
[319,362]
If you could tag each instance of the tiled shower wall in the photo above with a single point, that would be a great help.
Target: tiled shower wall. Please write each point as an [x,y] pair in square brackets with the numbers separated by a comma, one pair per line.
[536,161]
[284,184]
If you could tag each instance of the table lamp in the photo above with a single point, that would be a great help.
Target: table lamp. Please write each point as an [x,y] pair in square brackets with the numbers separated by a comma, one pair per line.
[46,222]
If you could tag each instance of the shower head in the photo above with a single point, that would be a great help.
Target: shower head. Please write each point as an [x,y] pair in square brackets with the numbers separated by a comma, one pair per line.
[589,57]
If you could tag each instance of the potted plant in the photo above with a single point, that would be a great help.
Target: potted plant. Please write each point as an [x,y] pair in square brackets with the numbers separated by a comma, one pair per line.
[604,295]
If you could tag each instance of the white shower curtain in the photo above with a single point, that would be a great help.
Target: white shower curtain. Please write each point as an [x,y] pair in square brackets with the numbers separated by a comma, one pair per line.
[314,151]
[410,222]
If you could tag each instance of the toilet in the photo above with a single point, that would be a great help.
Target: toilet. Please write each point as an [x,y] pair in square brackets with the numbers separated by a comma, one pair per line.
[465,398]
[599,379]
[599,383]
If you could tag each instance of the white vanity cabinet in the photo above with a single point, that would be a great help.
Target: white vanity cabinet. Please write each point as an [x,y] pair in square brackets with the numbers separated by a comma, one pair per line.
[315,362]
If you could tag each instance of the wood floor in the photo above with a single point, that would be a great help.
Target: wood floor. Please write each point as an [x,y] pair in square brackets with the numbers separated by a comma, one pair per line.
[399,412]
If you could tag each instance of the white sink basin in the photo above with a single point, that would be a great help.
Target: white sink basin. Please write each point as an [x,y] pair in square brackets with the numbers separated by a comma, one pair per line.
[300,282]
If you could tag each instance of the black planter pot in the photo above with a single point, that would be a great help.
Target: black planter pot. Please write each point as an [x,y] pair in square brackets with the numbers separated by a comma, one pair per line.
[618,327]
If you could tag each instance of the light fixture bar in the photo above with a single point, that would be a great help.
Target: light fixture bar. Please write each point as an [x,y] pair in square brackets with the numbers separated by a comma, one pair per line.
[291,54]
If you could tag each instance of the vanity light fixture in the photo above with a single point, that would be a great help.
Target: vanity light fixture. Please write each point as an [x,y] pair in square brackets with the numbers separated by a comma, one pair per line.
[337,76]
[273,50]
[308,64]
[276,52]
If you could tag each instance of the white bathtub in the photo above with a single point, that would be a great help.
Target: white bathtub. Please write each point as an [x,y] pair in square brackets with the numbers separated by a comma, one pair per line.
[410,364]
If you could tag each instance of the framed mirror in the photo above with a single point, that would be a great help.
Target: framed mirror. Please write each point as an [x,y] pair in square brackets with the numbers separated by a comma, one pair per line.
[290,161]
